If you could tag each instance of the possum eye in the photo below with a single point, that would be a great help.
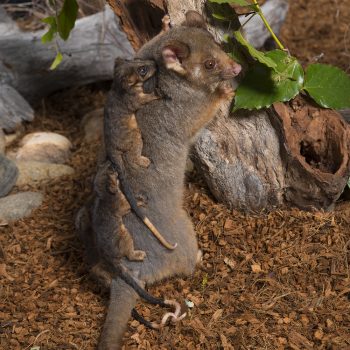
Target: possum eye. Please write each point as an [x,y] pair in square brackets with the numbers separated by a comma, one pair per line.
[143,70]
[210,64]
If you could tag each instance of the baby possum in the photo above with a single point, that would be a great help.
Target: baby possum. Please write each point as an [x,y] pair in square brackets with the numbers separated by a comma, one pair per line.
[134,85]
[109,207]
[123,140]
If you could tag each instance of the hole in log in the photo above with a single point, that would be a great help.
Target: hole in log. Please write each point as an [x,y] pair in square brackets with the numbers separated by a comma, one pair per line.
[321,147]
[146,16]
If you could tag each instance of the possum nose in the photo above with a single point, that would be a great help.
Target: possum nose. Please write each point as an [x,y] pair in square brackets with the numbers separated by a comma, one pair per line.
[232,70]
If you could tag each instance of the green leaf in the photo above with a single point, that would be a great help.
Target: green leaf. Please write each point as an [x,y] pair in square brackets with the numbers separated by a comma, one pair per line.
[258,55]
[285,64]
[329,86]
[66,18]
[262,86]
[230,47]
[49,35]
[236,2]
[49,20]
[224,12]
[58,59]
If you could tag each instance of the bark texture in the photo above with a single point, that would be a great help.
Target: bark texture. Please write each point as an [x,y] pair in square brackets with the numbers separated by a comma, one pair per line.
[315,149]
[239,157]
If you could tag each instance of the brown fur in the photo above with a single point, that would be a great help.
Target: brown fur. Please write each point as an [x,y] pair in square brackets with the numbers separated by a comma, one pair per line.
[125,98]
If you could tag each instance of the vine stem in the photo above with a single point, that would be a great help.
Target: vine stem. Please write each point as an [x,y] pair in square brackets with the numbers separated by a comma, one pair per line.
[267,25]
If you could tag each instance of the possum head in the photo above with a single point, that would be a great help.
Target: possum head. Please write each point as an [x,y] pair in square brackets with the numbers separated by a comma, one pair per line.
[131,74]
[191,51]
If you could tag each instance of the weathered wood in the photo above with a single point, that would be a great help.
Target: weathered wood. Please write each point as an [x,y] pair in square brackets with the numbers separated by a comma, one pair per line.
[89,54]
[239,157]
[276,157]
[141,20]
[315,151]
[346,114]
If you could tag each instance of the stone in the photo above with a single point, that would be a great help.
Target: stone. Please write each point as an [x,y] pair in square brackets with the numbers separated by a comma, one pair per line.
[19,205]
[45,147]
[31,172]
[12,137]
[8,175]
[14,109]
[92,124]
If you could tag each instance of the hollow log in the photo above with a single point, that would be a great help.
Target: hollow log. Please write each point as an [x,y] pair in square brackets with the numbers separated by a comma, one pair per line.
[294,154]
[270,158]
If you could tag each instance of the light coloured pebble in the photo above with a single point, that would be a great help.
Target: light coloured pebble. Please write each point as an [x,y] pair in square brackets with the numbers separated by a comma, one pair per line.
[19,205]
[92,124]
[44,147]
[34,172]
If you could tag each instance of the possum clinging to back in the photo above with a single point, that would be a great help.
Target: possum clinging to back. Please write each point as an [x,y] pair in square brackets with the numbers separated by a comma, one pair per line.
[134,85]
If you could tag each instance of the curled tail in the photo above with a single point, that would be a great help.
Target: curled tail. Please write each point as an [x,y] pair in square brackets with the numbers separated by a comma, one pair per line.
[122,300]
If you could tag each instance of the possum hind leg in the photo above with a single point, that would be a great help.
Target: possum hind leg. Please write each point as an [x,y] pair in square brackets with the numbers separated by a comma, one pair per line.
[126,246]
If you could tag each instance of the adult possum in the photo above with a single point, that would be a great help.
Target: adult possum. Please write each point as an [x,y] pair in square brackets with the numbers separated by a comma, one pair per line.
[193,76]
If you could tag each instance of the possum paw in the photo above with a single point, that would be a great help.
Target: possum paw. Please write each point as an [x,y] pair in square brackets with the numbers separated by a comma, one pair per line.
[137,255]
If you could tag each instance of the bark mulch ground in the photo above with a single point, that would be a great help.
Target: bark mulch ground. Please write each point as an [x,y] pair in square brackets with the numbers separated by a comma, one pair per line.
[276,280]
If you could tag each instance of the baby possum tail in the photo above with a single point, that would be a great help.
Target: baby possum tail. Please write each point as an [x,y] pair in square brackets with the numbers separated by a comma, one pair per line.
[133,204]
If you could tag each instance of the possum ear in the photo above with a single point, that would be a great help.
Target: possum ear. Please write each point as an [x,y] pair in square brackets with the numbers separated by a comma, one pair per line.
[173,53]
[194,19]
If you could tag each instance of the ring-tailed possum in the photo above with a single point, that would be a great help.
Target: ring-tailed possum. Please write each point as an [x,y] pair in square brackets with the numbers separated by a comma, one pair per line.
[193,76]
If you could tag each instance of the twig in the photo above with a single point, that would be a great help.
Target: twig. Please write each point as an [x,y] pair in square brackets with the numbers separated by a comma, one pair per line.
[267,25]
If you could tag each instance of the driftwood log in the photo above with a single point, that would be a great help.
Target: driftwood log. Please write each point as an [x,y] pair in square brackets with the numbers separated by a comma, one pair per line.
[292,154]
[88,56]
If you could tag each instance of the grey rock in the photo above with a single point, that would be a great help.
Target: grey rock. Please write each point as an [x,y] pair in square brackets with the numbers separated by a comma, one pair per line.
[8,175]
[47,147]
[13,109]
[34,172]
[19,205]
[92,124]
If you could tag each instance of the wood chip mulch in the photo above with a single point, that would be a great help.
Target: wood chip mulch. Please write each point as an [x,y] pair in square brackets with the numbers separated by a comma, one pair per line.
[268,281]
[278,280]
